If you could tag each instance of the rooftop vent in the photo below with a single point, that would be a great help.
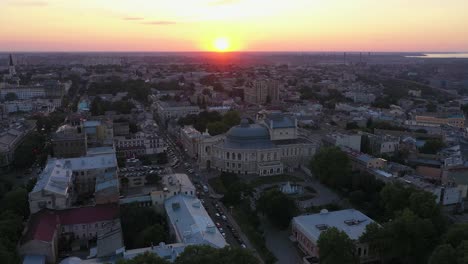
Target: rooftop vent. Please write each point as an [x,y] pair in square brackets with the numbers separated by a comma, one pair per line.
[322,227]
[352,222]
[323,211]
[175,206]
[196,204]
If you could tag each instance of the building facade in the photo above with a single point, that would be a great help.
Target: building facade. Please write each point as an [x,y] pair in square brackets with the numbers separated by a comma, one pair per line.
[306,230]
[269,147]
[262,91]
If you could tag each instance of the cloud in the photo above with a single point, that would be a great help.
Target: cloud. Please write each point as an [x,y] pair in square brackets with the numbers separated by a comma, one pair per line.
[161,23]
[223,2]
[30,3]
[132,18]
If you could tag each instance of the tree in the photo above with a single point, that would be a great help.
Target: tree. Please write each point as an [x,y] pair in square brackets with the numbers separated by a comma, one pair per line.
[462,252]
[456,234]
[408,238]
[336,175]
[268,99]
[135,220]
[432,146]
[279,207]
[152,235]
[11,97]
[231,118]
[204,254]
[443,254]
[31,147]
[145,258]
[16,201]
[336,247]
[217,128]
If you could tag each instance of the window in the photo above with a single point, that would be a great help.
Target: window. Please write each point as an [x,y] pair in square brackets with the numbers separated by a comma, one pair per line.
[239,156]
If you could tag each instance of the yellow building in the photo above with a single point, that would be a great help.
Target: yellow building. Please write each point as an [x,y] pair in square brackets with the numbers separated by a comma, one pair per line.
[451,120]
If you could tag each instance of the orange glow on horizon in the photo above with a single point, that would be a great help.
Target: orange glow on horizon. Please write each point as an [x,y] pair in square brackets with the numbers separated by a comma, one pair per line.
[247,25]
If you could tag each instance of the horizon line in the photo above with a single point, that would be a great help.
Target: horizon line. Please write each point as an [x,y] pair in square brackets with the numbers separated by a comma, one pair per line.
[224,52]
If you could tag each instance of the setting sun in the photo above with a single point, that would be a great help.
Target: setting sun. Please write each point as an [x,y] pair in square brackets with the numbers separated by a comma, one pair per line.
[221,44]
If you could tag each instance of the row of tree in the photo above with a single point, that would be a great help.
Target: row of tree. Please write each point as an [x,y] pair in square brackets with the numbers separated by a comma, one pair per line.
[199,255]
[213,121]
[100,106]
[14,210]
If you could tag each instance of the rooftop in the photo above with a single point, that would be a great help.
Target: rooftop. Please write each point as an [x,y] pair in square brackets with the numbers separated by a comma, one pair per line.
[350,221]
[42,225]
[56,177]
[191,222]
[248,136]
[279,120]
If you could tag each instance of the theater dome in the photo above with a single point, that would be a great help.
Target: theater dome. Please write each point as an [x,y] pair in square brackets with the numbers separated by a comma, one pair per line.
[248,135]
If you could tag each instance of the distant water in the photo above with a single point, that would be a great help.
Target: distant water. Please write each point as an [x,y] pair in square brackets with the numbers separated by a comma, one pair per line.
[442,56]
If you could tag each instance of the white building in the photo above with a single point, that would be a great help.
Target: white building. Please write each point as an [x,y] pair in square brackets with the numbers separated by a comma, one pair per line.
[173,110]
[189,222]
[138,144]
[306,230]
[54,187]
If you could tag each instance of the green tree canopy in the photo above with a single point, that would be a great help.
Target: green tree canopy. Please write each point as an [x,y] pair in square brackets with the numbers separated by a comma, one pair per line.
[331,166]
[432,146]
[443,254]
[209,255]
[336,247]
[456,234]
[407,239]
[16,201]
[141,225]
[279,207]
[11,97]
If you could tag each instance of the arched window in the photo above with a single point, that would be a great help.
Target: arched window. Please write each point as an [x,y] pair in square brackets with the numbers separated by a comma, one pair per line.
[227,155]
[239,156]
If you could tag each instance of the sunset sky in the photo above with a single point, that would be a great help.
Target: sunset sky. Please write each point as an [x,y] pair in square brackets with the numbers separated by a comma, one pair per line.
[248,25]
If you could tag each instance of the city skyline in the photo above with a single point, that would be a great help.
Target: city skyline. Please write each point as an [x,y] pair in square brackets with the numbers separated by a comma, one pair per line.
[234,25]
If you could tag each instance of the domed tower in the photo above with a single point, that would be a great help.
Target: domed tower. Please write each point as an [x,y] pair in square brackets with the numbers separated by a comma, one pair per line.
[11,67]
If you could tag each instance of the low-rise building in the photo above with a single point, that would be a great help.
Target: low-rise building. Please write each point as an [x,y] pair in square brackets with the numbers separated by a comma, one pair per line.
[54,187]
[46,228]
[189,223]
[455,120]
[63,180]
[69,142]
[174,110]
[10,139]
[306,230]
[138,144]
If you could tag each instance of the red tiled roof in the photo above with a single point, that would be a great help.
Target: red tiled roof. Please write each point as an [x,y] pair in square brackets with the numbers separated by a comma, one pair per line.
[43,224]
[85,215]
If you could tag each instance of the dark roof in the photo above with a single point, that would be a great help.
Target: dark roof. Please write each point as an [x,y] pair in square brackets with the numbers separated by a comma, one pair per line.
[248,136]
[43,225]
[92,214]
